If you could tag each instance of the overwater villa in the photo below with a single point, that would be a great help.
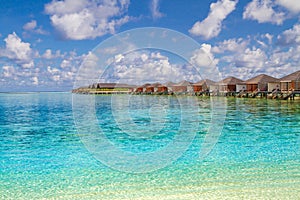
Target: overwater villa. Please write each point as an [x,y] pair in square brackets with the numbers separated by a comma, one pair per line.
[152,88]
[169,86]
[105,88]
[139,89]
[203,86]
[149,90]
[261,85]
[162,89]
[274,87]
[143,88]
[290,82]
[228,85]
[241,87]
[182,87]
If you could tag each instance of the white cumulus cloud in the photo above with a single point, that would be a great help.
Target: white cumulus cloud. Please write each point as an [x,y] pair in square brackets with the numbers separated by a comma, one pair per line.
[87,19]
[33,28]
[155,9]
[269,37]
[30,25]
[205,62]
[49,55]
[8,71]
[231,45]
[203,57]
[290,36]
[263,11]
[252,58]
[291,5]
[211,26]
[148,66]
[18,51]
[35,80]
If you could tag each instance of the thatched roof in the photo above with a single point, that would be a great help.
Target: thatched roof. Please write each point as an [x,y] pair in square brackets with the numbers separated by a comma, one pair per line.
[291,77]
[145,85]
[170,83]
[111,85]
[230,81]
[208,82]
[106,85]
[184,83]
[155,85]
[262,78]
[124,85]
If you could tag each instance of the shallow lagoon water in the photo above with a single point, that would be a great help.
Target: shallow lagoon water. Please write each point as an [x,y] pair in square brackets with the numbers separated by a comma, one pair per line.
[257,155]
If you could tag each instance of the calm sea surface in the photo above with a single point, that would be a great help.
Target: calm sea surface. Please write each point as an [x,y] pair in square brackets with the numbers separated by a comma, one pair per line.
[44,156]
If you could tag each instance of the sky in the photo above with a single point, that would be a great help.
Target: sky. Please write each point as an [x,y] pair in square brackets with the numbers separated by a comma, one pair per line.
[44,43]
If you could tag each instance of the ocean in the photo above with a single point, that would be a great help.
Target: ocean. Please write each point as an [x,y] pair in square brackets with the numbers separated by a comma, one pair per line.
[72,146]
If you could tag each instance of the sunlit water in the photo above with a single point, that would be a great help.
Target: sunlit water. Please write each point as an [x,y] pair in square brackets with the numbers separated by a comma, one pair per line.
[42,156]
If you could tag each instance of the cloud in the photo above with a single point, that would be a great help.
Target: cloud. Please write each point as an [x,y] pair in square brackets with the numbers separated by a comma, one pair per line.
[291,56]
[290,36]
[269,37]
[236,58]
[231,45]
[33,28]
[205,62]
[140,67]
[211,26]
[263,12]
[35,80]
[155,9]
[252,58]
[18,51]
[87,19]
[245,64]
[242,58]
[203,57]
[52,70]
[8,71]
[291,5]
[49,55]
[30,25]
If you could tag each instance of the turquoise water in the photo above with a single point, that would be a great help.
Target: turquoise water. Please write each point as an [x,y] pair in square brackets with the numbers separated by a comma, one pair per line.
[44,156]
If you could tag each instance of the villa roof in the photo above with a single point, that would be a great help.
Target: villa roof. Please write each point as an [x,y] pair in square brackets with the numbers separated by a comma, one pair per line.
[106,85]
[169,83]
[262,78]
[184,83]
[124,85]
[291,77]
[205,81]
[230,81]
[112,85]
[155,85]
[145,85]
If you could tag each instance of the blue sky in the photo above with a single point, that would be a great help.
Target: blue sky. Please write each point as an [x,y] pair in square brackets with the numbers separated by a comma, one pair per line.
[43,43]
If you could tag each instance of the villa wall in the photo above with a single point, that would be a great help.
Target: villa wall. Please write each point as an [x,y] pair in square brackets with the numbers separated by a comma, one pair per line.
[273,86]
[241,87]
[179,88]
[296,85]
[162,89]
[227,88]
[197,88]
[285,86]
[213,88]
[252,87]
